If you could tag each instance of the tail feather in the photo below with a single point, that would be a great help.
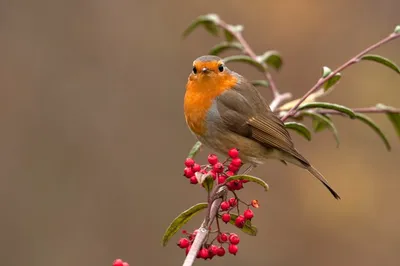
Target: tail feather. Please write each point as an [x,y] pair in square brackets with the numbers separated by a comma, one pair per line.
[321,178]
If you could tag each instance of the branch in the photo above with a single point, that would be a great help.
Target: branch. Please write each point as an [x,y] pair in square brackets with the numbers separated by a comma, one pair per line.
[278,97]
[352,61]
[216,198]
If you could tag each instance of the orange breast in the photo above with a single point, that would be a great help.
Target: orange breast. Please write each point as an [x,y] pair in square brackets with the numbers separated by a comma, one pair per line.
[200,93]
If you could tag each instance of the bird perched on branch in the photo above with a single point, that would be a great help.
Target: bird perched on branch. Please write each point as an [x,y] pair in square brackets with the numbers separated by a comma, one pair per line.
[225,111]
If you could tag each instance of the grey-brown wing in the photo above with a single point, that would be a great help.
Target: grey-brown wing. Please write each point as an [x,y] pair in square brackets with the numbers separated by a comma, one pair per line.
[244,111]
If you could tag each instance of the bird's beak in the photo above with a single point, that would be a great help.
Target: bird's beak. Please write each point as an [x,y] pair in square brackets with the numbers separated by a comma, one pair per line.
[205,70]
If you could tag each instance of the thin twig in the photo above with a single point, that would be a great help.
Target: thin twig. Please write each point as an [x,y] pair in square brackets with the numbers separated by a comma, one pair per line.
[278,97]
[350,62]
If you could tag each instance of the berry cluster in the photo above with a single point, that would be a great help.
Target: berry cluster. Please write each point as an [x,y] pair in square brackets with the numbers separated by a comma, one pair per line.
[229,210]
[210,250]
[119,262]
[219,171]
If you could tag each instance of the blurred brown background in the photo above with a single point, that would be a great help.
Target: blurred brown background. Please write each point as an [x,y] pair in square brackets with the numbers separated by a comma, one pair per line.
[93,136]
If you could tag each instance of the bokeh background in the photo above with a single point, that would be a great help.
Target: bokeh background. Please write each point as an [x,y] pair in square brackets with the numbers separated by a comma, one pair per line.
[93,136]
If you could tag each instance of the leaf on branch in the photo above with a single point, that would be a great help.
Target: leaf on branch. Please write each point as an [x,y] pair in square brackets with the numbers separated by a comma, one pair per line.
[382,60]
[365,119]
[312,98]
[248,228]
[321,122]
[244,59]
[260,83]
[326,71]
[299,128]
[249,178]
[232,28]
[228,36]
[271,58]
[209,22]
[195,149]
[397,29]
[208,182]
[181,220]
[393,117]
[219,48]
[331,106]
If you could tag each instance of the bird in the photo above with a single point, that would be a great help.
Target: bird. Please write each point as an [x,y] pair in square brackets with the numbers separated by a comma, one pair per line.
[224,111]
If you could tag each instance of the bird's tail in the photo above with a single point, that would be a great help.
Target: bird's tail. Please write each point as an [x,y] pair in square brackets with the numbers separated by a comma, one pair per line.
[321,178]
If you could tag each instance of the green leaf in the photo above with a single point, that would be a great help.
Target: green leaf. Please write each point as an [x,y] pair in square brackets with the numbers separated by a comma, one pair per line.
[382,60]
[209,21]
[321,122]
[326,71]
[271,58]
[244,59]
[325,105]
[195,149]
[397,29]
[248,228]
[375,127]
[181,220]
[232,29]
[260,83]
[219,48]
[299,128]
[208,183]
[228,36]
[393,117]
[249,178]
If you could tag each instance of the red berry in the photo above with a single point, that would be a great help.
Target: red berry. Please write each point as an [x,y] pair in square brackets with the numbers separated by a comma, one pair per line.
[118,262]
[203,253]
[244,181]
[234,185]
[213,250]
[183,243]
[189,162]
[218,167]
[193,180]
[188,249]
[212,159]
[233,153]
[248,214]
[196,167]
[233,249]
[233,168]
[236,162]
[221,179]
[234,239]
[230,173]
[221,251]
[222,238]
[226,217]
[125,263]
[239,222]
[232,202]
[225,205]
[188,172]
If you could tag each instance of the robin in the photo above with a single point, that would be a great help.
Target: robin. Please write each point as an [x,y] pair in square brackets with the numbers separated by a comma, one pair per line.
[224,111]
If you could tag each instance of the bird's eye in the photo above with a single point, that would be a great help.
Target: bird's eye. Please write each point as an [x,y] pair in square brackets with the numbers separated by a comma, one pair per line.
[194,70]
[221,68]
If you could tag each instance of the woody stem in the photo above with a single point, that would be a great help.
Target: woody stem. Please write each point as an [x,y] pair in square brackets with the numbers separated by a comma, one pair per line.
[278,97]
[350,62]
